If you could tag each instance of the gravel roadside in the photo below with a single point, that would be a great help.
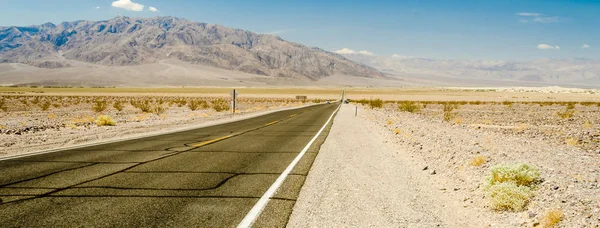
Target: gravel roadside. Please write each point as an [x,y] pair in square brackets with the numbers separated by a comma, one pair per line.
[361,179]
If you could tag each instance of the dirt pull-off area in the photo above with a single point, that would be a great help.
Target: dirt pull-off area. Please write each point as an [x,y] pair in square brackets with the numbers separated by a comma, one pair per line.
[387,168]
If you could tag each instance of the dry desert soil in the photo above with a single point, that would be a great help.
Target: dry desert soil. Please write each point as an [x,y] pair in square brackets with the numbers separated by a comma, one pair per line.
[384,167]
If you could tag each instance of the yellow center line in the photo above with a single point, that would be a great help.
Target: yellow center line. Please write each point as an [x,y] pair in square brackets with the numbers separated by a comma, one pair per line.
[274,122]
[211,141]
[293,115]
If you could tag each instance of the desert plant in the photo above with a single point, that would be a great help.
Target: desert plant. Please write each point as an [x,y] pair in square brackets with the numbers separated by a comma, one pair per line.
[509,196]
[478,161]
[552,218]
[567,113]
[103,120]
[45,106]
[220,105]
[571,141]
[144,106]
[448,111]
[510,186]
[521,174]
[377,103]
[157,109]
[118,105]
[197,104]
[409,106]
[99,105]
[508,103]
[35,101]
[3,105]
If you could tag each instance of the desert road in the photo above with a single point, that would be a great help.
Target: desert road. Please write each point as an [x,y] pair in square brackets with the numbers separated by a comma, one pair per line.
[208,177]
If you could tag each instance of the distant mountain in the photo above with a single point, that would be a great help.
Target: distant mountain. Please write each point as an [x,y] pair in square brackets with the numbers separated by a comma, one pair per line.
[124,41]
[577,72]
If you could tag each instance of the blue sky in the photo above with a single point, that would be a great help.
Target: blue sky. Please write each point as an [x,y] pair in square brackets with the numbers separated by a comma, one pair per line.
[441,29]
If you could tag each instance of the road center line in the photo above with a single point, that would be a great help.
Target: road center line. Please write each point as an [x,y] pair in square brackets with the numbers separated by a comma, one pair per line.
[211,141]
[262,202]
[271,123]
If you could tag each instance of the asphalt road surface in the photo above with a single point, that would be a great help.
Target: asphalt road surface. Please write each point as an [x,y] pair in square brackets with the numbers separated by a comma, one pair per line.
[208,177]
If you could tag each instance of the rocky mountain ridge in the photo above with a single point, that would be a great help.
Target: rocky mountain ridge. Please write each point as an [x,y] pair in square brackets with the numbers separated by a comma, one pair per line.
[125,41]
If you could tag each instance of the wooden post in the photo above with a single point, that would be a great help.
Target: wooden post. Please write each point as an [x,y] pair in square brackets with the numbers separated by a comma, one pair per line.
[233,106]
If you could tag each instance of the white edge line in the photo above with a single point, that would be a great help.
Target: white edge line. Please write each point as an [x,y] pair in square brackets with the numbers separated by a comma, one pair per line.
[199,126]
[262,202]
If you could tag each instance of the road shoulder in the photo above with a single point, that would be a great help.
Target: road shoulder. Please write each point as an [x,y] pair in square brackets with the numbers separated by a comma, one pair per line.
[360,178]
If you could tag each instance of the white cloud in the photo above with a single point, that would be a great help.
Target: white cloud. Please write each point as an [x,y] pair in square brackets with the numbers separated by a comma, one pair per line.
[537,18]
[152,9]
[350,51]
[585,46]
[526,14]
[345,51]
[546,19]
[366,53]
[97,7]
[128,5]
[547,47]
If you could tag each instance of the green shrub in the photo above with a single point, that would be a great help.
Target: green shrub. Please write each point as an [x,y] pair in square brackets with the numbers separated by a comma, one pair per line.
[510,186]
[103,120]
[508,196]
[409,106]
[521,174]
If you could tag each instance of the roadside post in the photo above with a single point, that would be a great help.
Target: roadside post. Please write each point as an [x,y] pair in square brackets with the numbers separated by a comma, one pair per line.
[355,110]
[234,95]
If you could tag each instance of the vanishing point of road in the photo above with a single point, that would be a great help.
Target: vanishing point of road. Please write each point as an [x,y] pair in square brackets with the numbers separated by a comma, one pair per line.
[216,176]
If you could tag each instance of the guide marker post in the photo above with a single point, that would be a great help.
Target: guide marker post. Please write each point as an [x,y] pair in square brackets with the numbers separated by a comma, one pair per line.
[234,95]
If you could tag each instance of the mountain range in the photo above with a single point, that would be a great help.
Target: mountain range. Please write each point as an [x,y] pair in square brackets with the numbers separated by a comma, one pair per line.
[125,41]
[541,72]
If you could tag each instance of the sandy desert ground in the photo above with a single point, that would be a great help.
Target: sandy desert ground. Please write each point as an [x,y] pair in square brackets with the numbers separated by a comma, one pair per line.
[555,130]
[387,167]
[460,151]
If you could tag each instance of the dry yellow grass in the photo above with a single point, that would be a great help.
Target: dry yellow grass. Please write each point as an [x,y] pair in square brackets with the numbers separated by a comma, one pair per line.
[397,131]
[552,218]
[571,141]
[588,125]
[478,161]
[389,122]
[103,120]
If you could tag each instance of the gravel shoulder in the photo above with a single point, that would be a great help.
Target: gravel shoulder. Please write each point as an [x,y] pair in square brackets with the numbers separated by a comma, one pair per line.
[362,179]
[387,168]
